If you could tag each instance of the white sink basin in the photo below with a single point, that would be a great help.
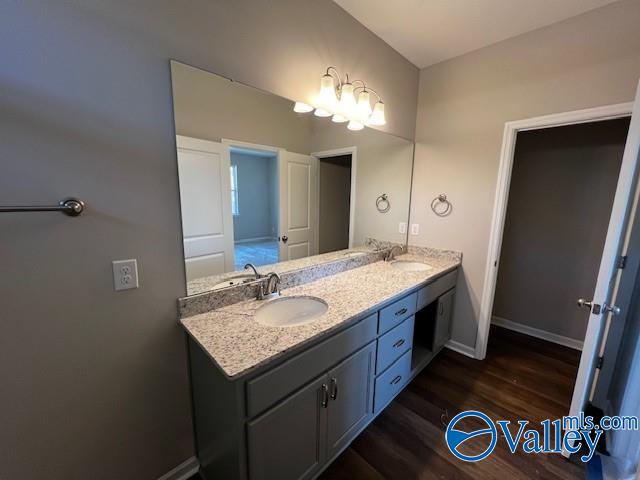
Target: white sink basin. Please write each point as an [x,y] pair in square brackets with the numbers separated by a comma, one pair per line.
[408,266]
[290,311]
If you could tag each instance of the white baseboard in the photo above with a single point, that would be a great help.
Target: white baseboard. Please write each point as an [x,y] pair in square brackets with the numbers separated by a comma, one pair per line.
[535,332]
[461,348]
[257,239]
[185,470]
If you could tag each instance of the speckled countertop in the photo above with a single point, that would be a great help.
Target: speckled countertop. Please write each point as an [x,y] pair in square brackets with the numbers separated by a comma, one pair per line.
[238,344]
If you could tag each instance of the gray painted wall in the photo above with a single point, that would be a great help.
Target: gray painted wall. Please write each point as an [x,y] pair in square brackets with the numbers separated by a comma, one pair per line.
[335,193]
[586,61]
[95,382]
[256,190]
[560,200]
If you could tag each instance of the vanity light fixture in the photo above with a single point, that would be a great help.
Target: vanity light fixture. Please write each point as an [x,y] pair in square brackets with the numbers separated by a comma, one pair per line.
[302,108]
[345,101]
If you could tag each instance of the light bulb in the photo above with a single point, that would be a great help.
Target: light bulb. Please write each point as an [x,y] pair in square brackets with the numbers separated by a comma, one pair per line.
[321,113]
[347,103]
[302,107]
[355,126]
[327,97]
[377,117]
[337,118]
[364,107]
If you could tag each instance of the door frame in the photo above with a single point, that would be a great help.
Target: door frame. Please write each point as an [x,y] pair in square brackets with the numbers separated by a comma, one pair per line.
[511,129]
[230,143]
[353,151]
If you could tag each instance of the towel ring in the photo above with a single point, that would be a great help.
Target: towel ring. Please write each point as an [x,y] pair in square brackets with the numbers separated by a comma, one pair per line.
[438,202]
[382,203]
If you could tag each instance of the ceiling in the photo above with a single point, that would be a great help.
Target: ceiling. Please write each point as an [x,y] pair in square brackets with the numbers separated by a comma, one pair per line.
[430,31]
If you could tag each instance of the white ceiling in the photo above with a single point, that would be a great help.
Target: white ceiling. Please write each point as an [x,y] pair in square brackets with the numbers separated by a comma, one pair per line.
[430,31]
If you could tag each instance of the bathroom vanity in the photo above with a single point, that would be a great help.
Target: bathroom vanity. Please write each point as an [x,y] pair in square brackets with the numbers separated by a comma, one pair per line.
[283,402]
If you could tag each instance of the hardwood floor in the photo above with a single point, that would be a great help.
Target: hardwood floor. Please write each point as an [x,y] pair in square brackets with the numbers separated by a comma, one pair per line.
[521,378]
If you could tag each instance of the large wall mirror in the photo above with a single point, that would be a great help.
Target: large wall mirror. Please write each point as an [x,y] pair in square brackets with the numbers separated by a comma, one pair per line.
[262,184]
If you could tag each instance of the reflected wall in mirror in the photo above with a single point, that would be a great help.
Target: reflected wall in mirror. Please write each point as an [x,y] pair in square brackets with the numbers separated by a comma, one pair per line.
[262,184]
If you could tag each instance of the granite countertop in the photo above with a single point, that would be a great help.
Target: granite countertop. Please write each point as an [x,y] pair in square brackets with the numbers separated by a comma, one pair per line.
[238,344]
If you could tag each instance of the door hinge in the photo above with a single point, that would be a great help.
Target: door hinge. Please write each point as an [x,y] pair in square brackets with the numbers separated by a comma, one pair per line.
[600,362]
[622,261]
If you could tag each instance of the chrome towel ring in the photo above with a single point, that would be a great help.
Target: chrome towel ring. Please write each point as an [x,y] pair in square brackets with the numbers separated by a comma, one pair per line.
[441,206]
[382,203]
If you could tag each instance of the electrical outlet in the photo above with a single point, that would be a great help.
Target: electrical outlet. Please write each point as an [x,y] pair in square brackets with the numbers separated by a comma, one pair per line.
[125,274]
[415,228]
[402,228]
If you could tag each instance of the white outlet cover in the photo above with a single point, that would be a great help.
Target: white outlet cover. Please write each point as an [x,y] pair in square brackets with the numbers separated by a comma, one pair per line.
[125,274]
[415,228]
[402,228]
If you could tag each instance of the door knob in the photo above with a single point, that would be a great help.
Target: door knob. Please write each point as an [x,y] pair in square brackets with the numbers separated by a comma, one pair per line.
[583,303]
[284,239]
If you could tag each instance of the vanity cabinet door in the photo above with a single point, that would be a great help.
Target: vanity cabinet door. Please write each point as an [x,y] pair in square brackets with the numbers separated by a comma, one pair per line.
[286,443]
[443,320]
[350,398]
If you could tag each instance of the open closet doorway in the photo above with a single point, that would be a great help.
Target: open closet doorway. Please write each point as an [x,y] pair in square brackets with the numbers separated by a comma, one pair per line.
[336,199]
[614,131]
[254,206]
[561,194]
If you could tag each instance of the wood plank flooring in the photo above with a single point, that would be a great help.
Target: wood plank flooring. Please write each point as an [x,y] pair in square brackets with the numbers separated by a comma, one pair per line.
[521,378]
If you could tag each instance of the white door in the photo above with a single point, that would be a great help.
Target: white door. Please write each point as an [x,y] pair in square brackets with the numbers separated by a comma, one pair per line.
[603,296]
[205,201]
[298,185]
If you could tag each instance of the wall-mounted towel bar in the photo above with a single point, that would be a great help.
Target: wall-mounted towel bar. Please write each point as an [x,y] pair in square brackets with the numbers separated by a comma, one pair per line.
[70,206]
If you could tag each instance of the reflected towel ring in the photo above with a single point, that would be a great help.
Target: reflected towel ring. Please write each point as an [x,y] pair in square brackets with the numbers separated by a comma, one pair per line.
[382,203]
[437,208]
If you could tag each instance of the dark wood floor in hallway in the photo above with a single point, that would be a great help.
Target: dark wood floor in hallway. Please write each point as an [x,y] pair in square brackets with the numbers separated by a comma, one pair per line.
[521,378]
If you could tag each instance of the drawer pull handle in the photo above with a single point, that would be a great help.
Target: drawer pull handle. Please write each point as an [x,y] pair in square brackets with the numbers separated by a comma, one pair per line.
[399,343]
[325,396]
[334,389]
[402,311]
[396,380]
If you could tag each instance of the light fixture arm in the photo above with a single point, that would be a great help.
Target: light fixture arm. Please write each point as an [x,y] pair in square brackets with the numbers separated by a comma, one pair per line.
[364,88]
[333,71]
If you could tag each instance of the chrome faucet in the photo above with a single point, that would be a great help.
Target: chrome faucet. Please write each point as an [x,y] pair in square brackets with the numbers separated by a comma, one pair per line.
[391,253]
[269,288]
[255,270]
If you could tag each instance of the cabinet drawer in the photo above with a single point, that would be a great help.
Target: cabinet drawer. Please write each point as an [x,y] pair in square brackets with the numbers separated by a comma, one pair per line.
[428,294]
[392,381]
[394,343]
[396,312]
[264,391]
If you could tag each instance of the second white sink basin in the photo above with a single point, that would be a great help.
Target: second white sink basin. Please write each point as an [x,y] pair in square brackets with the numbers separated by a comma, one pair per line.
[291,311]
[409,266]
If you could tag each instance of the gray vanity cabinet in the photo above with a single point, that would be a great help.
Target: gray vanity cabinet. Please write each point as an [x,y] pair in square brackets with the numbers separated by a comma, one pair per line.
[287,441]
[294,439]
[443,319]
[350,398]
[290,419]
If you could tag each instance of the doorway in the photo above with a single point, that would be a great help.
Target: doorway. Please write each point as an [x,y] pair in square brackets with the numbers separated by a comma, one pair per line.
[254,206]
[334,205]
[561,194]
